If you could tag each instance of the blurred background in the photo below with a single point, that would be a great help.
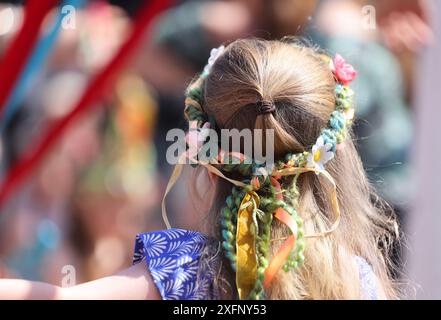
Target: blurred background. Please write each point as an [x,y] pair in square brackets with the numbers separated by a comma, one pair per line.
[101,181]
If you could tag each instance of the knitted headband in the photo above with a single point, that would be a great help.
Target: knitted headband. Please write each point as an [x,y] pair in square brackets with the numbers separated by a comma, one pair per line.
[258,198]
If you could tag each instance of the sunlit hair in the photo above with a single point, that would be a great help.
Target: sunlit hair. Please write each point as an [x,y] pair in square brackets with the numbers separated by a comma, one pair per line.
[301,85]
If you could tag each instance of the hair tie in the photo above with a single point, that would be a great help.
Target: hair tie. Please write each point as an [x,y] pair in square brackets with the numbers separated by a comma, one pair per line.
[264,107]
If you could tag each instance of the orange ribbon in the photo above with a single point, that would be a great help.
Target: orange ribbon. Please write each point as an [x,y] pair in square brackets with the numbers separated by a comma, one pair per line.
[286,248]
[284,251]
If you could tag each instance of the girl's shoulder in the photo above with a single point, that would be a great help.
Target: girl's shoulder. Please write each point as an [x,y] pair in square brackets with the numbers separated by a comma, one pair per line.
[173,258]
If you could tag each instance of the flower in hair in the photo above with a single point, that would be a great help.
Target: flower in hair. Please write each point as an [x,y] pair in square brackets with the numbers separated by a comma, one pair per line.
[196,137]
[214,55]
[344,72]
[349,114]
[261,171]
[261,192]
[320,155]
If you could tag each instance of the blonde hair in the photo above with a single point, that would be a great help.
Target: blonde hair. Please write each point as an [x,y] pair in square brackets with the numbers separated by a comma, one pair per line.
[301,85]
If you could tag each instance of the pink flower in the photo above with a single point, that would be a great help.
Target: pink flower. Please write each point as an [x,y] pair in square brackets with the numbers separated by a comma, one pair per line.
[195,138]
[344,72]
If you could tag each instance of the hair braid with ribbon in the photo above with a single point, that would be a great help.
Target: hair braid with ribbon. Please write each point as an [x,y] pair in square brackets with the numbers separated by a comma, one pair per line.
[259,198]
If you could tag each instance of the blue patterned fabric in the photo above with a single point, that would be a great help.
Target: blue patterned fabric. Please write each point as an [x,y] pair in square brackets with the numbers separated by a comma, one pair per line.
[173,258]
[367,279]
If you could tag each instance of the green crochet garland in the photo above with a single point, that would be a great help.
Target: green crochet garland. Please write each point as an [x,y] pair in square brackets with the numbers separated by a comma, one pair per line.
[335,133]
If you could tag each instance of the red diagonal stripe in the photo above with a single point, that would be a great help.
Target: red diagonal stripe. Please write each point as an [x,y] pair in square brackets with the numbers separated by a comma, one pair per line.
[18,52]
[25,166]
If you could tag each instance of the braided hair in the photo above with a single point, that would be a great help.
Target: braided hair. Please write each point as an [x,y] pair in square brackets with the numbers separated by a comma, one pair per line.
[327,107]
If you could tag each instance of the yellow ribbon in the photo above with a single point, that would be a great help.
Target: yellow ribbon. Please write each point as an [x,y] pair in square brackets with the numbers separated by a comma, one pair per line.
[246,264]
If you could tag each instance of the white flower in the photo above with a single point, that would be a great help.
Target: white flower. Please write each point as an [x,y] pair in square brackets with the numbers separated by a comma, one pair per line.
[204,132]
[195,137]
[321,153]
[349,114]
[214,55]
[261,171]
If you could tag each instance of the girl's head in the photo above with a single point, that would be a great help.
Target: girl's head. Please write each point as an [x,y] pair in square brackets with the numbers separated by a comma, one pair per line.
[295,78]
[298,83]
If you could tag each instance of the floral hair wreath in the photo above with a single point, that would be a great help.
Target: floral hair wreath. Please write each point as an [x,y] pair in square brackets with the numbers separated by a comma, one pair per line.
[256,200]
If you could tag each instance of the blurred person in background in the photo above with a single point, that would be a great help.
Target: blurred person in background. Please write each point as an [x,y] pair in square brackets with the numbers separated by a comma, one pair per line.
[114,197]
[423,252]
[45,226]
[37,218]
[359,28]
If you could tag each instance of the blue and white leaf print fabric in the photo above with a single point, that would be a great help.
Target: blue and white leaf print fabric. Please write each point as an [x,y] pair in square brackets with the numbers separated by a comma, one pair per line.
[172,257]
